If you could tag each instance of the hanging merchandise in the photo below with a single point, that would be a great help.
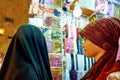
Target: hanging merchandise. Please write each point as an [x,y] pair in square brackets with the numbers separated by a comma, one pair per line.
[36,21]
[77,12]
[58,3]
[42,1]
[56,35]
[57,13]
[72,32]
[102,6]
[64,44]
[68,1]
[48,21]
[47,33]
[34,7]
[92,19]
[51,28]
[64,9]
[55,60]
[78,46]
[49,46]
[67,76]
[66,30]
[49,2]
[117,11]
[110,11]
[49,10]
[68,62]
[68,45]
[56,46]
[73,75]
[117,2]
[77,66]
[81,63]
[56,23]
[57,73]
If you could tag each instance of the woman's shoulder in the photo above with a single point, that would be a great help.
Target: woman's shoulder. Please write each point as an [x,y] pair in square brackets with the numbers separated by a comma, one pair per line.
[114,76]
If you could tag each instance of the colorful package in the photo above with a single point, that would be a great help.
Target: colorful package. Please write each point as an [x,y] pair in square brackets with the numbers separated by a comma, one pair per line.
[49,2]
[68,62]
[48,21]
[57,73]
[56,46]
[110,11]
[58,3]
[68,45]
[55,60]
[56,22]
[72,32]
[47,33]
[117,2]
[102,6]
[56,34]
[49,46]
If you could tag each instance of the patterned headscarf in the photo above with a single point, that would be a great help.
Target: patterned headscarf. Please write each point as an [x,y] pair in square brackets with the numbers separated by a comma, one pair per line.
[104,33]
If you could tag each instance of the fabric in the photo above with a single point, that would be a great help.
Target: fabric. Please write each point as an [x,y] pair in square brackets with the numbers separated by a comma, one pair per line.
[27,56]
[104,33]
[73,75]
[117,2]
[110,11]
[49,2]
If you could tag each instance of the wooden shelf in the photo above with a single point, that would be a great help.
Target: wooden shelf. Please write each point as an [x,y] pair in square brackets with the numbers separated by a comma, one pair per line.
[87,12]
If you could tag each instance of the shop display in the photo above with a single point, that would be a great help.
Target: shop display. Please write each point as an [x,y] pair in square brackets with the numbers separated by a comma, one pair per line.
[102,6]
[117,2]
[49,2]
[56,23]
[57,73]
[92,19]
[48,21]
[58,3]
[117,12]
[47,33]
[49,46]
[56,35]
[68,45]
[56,46]
[55,60]
[110,9]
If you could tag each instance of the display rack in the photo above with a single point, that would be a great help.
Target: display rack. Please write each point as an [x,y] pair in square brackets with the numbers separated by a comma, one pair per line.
[61,30]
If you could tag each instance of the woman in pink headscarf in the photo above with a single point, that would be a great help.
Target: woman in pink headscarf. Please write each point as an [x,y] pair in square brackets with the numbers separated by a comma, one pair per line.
[102,43]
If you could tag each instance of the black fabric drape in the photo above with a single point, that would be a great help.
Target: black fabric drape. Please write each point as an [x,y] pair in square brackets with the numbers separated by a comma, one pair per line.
[27,56]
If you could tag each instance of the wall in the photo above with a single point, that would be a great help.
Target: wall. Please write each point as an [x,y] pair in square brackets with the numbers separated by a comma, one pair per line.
[16,10]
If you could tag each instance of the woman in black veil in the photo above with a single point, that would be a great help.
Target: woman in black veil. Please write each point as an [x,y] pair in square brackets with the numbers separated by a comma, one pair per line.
[27,56]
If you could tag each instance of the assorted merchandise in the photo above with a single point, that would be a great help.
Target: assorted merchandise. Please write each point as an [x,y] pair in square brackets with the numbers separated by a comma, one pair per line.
[61,30]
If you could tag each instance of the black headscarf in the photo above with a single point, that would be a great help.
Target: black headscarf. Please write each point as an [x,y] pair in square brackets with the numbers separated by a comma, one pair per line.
[27,56]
